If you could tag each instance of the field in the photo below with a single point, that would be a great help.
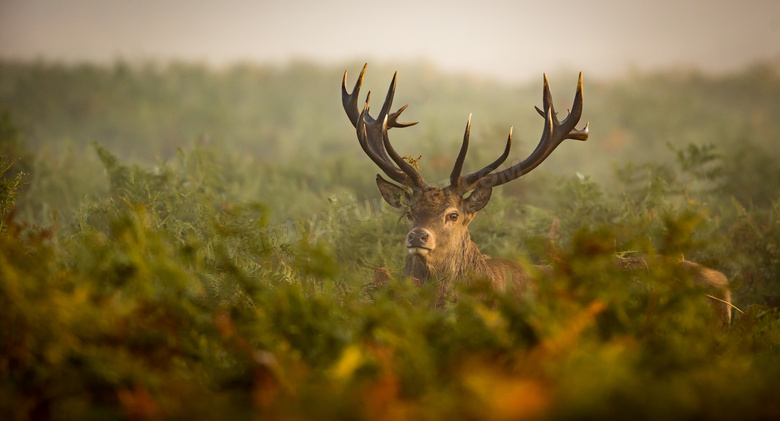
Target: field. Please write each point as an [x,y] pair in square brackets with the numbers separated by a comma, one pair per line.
[183,242]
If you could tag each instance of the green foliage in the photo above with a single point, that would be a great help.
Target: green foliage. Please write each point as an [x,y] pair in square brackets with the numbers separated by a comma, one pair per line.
[225,282]
[10,182]
[9,137]
[9,190]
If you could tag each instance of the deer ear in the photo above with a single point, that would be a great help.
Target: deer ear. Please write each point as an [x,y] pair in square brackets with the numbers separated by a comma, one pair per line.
[478,199]
[390,192]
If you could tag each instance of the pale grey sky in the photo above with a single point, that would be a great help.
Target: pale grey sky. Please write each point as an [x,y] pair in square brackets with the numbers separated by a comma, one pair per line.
[506,39]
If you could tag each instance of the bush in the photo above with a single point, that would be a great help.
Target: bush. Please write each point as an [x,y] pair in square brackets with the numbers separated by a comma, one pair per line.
[223,284]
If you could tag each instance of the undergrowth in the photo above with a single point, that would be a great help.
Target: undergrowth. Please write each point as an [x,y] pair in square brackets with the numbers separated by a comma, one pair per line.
[218,285]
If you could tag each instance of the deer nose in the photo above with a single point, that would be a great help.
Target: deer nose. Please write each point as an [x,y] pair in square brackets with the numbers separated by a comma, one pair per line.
[417,237]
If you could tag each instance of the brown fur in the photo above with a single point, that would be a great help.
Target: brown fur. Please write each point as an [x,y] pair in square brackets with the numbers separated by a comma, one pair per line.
[455,258]
[715,283]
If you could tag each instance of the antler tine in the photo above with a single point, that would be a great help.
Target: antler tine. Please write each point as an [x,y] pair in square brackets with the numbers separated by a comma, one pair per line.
[350,100]
[380,161]
[372,133]
[574,116]
[458,167]
[388,98]
[554,134]
[547,100]
[407,168]
[392,120]
[576,109]
[469,181]
[581,135]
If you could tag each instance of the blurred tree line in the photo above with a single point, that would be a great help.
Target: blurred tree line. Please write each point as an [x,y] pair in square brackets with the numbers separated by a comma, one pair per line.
[144,112]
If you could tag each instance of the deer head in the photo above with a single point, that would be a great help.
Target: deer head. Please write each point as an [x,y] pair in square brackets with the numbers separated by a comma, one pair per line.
[438,241]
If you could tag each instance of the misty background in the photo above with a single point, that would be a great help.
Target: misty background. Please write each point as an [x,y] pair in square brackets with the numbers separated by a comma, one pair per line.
[509,40]
[259,82]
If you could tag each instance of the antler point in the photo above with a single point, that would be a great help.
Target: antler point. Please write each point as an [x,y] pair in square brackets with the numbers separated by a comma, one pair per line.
[365,107]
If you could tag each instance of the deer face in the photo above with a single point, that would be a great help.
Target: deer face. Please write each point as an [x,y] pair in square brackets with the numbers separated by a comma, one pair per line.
[438,218]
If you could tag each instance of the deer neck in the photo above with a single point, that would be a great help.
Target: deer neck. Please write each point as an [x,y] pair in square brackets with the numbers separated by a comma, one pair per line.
[454,264]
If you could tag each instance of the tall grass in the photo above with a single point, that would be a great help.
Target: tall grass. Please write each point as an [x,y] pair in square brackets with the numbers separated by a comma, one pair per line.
[148,270]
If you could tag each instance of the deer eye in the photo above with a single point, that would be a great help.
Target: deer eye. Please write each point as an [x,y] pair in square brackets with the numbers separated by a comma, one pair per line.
[452,217]
[408,215]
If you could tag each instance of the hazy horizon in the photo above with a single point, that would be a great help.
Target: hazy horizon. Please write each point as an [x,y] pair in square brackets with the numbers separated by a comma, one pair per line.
[503,39]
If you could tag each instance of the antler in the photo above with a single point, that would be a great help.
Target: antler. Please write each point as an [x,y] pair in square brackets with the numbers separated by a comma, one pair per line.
[555,132]
[372,132]
[468,181]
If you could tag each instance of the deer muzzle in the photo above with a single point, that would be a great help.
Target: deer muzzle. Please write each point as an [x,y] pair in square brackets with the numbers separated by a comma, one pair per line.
[419,241]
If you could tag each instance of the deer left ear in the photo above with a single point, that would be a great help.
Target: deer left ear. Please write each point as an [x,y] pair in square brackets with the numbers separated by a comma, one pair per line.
[390,192]
[478,199]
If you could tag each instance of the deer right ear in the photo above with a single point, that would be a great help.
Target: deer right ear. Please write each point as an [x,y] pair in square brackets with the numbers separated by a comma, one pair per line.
[478,199]
[390,192]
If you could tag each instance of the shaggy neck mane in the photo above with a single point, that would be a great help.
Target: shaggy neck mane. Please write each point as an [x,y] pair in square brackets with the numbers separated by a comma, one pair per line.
[461,261]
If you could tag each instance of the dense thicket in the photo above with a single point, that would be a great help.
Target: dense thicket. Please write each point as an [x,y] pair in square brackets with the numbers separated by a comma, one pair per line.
[183,242]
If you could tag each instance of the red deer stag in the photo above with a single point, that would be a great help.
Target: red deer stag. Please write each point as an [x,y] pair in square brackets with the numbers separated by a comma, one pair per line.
[438,243]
